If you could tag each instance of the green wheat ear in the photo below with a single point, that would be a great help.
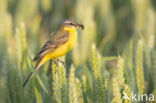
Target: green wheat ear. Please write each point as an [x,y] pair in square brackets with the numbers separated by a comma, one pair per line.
[73,97]
[96,58]
[21,45]
[18,47]
[128,91]
[56,83]
[59,82]
[84,83]
[99,86]
[79,90]
[150,28]
[75,89]
[139,67]
[120,71]
[63,80]
[116,91]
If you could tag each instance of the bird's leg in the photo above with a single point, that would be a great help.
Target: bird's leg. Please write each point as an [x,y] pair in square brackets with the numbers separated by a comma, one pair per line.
[62,62]
[55,61]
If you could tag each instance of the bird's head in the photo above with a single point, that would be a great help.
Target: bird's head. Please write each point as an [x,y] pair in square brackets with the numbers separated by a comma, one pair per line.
[71,24]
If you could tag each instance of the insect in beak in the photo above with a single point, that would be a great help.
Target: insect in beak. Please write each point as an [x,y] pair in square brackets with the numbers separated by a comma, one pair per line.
[80,26]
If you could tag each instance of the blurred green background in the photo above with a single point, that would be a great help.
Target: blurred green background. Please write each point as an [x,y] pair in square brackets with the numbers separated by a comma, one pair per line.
[116,27]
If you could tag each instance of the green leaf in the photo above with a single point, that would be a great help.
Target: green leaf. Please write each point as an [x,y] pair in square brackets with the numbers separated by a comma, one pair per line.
[36,75]
[38,95]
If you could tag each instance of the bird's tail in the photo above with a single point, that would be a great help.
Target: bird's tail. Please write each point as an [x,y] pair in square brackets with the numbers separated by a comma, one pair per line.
[31,74]
[28,78]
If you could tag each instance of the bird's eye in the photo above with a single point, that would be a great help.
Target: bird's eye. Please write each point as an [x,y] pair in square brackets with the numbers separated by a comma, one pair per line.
[70,23]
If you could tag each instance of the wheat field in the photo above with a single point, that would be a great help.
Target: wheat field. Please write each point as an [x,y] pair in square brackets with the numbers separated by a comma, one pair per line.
[114,56]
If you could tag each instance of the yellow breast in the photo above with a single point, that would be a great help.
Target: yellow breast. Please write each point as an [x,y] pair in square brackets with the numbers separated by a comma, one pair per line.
[65,48]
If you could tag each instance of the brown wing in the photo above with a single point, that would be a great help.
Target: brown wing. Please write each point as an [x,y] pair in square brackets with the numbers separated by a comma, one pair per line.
[59,39]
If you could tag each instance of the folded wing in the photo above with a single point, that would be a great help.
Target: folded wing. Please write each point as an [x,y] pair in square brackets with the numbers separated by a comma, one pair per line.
[59,39]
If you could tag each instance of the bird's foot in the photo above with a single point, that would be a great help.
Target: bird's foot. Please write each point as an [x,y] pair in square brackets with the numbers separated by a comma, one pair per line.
[62,62]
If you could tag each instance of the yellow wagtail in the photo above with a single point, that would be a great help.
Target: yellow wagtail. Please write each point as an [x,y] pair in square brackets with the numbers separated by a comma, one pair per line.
[60,44]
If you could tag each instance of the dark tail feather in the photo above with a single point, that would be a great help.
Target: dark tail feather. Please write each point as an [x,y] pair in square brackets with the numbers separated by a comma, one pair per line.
[35,58]
[29,77]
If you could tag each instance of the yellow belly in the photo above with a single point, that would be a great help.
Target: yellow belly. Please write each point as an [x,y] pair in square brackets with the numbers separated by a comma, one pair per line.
[63,49]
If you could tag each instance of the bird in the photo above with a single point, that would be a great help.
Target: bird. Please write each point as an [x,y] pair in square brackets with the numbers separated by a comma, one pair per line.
[58,45]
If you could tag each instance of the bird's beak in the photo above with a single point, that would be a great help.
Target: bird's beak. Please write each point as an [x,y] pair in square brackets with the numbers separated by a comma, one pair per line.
[80,26]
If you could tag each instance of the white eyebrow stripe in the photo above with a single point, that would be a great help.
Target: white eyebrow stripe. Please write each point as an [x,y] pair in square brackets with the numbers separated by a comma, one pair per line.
[67,22]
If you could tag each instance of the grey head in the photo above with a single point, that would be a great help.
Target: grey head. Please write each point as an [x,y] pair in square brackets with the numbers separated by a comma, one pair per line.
[72,23]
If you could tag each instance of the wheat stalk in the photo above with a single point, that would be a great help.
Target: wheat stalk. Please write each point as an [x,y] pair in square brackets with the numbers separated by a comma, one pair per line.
[139,67]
